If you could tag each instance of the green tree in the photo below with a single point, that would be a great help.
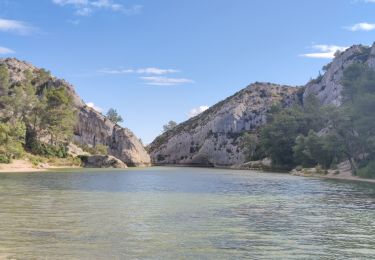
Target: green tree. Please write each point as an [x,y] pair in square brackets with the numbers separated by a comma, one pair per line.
[278,136]
[20,101]
[59,116]
[169,126]
[314,149]
[113,116]
[12,139]
[252,148]
[4,80]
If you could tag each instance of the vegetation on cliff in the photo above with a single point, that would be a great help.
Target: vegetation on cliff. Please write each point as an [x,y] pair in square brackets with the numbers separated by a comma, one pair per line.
[39,119]
[309,134]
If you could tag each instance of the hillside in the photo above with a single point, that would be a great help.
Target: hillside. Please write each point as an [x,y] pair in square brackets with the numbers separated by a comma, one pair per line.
[213,138]
[91,127]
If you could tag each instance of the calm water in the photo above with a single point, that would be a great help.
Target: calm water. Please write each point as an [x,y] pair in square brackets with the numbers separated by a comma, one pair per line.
[183,213]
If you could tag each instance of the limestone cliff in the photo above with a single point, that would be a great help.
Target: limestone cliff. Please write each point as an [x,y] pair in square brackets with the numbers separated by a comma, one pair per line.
[213,137]
[92,127]
[328,86]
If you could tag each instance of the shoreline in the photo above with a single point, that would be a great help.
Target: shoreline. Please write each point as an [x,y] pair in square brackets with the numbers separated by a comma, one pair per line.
[344,175]
[22,166]
[340,176]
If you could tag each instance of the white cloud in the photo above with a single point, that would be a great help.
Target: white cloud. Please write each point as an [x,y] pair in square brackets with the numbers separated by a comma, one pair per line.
[87,7]
[164,81]
[85,11]
[92,105]
[150,70]
[324,51]
[361,27]
[4,50]
[14,26]
[196,111]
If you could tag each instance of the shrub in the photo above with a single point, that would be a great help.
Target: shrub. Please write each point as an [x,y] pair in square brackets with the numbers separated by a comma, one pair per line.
[48,150]
[99,149]
[367,171]
[4,159]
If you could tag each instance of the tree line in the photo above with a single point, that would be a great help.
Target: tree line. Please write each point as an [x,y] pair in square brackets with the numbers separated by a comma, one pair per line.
[310,134]
[39,119]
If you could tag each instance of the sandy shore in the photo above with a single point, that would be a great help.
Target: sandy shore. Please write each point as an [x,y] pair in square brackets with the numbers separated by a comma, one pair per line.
[19,166]
[346,176]
[343,172]
[26,166]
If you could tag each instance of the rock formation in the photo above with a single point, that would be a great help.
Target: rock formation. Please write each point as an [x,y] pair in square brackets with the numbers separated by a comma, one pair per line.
[92,128]
[102,161]
[213,138]
[328,86]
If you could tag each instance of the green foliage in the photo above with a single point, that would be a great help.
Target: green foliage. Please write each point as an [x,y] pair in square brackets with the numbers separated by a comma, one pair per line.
[317,80]
[4,80]
[59,115]
[367,171]
[12,139]
[290,138]
[167,127]
[99,149]
[252,148]
[48,112]
[312,150]
[278,137]
[4,159]
[48,150]
[113,116]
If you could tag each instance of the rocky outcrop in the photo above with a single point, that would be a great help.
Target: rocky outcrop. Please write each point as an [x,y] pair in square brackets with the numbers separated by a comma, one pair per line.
[328,87]
[213,138]
[92,127]
[102,161]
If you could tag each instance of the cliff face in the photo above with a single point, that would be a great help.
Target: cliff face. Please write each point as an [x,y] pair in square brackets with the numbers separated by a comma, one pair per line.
[92,127]
[213,138]
[328,87]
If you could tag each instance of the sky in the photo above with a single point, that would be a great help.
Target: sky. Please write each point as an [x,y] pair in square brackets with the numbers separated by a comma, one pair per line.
[160,60]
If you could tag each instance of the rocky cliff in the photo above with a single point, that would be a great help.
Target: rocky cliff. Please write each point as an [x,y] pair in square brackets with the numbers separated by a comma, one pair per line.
[92,128]
[328,87]
[213,138]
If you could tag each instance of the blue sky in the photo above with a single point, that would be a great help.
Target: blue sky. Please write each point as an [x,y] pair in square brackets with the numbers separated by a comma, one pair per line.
[161,60]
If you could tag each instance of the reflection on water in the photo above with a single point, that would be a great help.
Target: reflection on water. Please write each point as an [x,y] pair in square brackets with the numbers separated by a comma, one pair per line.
[183,213]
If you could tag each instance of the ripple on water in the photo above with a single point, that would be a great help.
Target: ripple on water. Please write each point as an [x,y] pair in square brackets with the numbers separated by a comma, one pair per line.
[174,213]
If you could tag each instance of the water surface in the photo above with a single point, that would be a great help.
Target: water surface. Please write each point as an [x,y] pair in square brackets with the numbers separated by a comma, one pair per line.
[183,213]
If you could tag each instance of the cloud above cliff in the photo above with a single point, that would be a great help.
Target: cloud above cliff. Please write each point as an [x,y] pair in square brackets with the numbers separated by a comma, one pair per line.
[165,81]
[87,7]
[14,26]
[151,75]
[149,70]
[361,27]
[4,51]
[323,51]
[92,105]
[197,110]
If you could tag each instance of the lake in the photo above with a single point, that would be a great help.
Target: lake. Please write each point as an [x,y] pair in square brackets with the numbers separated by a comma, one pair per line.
[183,213]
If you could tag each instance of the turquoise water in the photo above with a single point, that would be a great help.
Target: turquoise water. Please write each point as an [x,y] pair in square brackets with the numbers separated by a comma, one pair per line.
[183,213]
